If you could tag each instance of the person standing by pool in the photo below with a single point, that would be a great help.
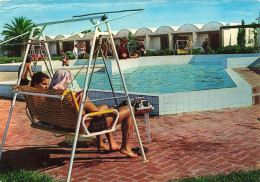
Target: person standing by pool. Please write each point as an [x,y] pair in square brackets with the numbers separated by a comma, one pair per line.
[205,45]
[105,49]
[64,59]
[83,50]
[75,52]
[27,69]
[141,48]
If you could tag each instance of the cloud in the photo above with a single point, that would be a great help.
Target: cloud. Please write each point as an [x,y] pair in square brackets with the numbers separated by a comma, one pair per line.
[109,3]
[241,12]
[35,6]
[2,3]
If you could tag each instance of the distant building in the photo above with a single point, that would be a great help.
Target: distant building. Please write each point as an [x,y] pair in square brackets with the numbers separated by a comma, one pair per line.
[164,37]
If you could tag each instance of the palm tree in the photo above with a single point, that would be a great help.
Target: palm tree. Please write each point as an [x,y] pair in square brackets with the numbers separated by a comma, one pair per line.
[19,26]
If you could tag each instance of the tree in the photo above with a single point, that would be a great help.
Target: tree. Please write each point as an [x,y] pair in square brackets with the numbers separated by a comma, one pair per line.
[255,38]
[241,35]
[19,26]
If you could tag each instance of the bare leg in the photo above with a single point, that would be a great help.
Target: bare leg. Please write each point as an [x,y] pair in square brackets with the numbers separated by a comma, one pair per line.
[112,143]
[100,144]
[113,146]
[126,127]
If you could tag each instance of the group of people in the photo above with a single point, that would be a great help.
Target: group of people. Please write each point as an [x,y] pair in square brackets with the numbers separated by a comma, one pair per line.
[79,50]
[60,81]
[123,52]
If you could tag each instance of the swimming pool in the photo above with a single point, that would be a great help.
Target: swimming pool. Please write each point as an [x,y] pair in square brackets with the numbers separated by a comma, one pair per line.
[212,97]
[165,78]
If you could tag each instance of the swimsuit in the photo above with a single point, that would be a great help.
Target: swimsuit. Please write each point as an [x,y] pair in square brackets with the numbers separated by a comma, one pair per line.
[98,123]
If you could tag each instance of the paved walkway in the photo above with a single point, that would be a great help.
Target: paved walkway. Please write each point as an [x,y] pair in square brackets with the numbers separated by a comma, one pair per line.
[189,144]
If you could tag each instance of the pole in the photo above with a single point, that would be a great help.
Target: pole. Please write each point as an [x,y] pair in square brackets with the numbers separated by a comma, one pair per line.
[7,125]
[15,95]
[82,105]
[126,92]
[48,53]
[14,37]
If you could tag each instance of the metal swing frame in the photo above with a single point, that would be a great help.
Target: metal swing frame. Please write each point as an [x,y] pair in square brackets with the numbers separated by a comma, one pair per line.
[97,32]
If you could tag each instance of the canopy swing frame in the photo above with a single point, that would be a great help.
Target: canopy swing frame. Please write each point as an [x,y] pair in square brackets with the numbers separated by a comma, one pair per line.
[97,32]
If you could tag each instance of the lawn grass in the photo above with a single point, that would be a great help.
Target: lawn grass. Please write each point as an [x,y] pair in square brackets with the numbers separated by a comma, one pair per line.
[14,174]
[239,176]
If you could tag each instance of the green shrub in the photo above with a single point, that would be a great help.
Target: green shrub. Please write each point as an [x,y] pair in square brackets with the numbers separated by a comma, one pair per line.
[197,51]
[11,173]
[160,52]
[235,49]
[238,176]
[5,59]
[70,55]
[56,58]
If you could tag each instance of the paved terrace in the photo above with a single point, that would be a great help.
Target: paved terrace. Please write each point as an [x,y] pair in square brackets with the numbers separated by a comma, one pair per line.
[183,145]
[189,144]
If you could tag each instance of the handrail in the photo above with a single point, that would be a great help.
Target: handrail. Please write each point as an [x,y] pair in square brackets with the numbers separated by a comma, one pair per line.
[38,94]
[99,113]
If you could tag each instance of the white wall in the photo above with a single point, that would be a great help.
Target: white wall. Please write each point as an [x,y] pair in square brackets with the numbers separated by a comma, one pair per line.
[229,37]
[53,49]
[156,43]
[201,39]
[249,37]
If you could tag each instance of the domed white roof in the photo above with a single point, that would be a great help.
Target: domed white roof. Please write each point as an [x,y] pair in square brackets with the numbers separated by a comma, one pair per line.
[166,29]
[125,32]
[145,31]
[211,26]
[189,28]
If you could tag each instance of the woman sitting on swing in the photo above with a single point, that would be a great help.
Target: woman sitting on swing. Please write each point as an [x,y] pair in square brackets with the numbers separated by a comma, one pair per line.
[62,79]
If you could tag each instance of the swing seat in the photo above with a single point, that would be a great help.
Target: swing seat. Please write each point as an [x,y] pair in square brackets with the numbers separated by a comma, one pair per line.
[57,111]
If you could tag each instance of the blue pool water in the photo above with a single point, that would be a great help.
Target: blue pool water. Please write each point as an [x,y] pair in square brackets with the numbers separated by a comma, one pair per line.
[165,78]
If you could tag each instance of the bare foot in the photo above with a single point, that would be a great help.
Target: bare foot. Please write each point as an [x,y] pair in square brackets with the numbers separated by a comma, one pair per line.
[103,147]
[114,147]
[129,153]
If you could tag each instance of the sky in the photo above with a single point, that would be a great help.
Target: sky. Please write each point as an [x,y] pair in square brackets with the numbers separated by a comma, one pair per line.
[156,13]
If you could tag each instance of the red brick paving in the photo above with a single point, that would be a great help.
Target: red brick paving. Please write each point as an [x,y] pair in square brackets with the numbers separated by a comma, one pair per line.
[188,144]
